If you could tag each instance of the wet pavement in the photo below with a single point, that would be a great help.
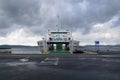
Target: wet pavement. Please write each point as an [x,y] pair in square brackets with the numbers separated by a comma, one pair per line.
[60,67]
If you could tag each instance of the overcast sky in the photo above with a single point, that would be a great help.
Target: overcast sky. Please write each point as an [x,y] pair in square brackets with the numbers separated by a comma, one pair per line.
[24,22]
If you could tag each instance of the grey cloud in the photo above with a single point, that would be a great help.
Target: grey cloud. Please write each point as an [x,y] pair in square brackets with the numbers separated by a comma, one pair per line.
[38,15]
[20,11]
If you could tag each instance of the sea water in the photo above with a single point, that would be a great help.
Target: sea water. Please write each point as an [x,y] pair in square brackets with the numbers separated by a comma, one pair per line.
[101,48]
[37,50]
[26,50]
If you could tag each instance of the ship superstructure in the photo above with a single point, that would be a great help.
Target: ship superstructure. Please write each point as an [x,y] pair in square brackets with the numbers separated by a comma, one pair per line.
[58,42]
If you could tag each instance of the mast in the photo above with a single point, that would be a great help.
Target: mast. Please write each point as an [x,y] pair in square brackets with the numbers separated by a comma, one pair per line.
[58,23]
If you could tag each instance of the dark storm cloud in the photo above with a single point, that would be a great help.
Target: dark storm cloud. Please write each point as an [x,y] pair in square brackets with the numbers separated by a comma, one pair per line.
[22,12]
[38,15]
[102,11]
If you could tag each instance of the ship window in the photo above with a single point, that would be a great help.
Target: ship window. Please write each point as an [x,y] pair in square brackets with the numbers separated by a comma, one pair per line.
[68,38]
[50,38]
[58,32]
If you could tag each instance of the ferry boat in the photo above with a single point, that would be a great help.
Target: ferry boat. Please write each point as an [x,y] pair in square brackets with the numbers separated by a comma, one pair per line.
[58,42]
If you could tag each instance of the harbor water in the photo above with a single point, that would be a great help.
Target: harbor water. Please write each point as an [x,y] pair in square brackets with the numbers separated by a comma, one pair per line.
[36,49]
[26,50]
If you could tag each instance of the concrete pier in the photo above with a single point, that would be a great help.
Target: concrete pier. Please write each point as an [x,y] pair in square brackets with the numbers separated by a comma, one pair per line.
[60,67]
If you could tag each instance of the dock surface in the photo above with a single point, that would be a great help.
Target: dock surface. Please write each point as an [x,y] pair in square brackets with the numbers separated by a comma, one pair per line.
[60,67]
